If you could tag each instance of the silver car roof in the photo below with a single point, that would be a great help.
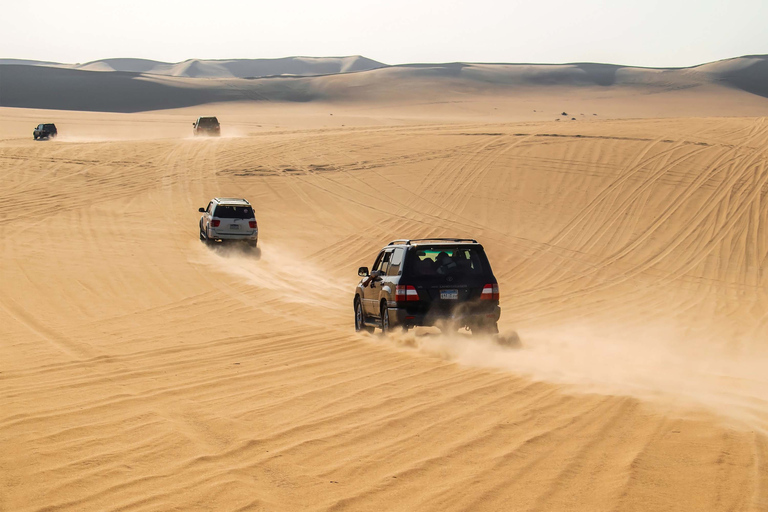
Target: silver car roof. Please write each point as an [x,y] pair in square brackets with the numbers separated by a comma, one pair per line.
[231,200]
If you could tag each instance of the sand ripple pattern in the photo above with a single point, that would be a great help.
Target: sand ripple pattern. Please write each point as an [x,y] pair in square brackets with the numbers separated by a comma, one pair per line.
[141,371]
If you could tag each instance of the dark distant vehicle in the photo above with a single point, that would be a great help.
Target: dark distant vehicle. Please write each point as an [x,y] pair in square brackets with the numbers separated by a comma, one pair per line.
[445,282]
[206,126]
[45,131]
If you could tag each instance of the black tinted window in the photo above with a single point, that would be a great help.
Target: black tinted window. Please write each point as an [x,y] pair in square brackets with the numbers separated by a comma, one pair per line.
[445,261]
[233,212]
[208,121]
[49,126]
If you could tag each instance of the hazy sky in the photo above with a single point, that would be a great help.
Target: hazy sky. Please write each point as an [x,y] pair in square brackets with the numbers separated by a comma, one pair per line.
[637,32]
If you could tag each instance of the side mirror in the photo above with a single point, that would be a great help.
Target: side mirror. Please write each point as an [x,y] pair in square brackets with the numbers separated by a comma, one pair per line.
[193,124]
[201,210]
[362,271]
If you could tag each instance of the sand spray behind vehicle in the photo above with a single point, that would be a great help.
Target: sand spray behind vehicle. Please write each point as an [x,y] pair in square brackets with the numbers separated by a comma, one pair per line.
[653,365]
[657,363]
[278,271]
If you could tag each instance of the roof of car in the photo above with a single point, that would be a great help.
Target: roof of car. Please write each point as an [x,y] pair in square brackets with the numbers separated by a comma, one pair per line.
[433,241]
[230,200]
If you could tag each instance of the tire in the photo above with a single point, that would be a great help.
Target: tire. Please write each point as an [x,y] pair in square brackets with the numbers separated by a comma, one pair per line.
[360,318]
[385,327]
[208,240]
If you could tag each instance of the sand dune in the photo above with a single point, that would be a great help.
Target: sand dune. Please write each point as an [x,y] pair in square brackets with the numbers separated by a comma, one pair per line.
[142,371]
[226,68]
[733,87]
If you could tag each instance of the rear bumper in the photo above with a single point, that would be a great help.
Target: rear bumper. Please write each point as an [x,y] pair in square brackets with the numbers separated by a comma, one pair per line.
[246,237]
[400,316]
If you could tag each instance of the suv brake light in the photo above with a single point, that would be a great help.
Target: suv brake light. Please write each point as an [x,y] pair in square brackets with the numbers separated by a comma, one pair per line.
[215,223]
[406,293]
[490,292]
[253,224]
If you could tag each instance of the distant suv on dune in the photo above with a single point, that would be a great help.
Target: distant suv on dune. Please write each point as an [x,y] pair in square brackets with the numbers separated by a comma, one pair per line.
[206,126]
[228,219]
[45,131]
[446,282]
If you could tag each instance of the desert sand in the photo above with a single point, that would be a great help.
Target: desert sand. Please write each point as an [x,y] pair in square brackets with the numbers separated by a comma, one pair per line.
[141,370]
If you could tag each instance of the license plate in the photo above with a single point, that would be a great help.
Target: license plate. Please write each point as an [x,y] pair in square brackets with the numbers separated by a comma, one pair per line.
[449,294]
[234,226]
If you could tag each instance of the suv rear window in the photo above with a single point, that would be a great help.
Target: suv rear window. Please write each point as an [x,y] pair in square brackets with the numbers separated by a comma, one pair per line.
[226,211]
[48,126]
[447,261]
[208,121]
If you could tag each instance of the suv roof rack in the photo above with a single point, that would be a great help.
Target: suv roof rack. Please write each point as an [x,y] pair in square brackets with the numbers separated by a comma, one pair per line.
[231,200]
[409,241]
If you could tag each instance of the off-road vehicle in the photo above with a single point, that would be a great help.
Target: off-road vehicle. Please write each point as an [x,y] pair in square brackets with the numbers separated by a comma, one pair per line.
[45,131]
[206,126]
[226,219]
[447,282]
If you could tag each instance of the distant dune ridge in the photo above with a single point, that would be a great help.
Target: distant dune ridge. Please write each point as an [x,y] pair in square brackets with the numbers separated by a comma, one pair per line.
[229,68]
[134,85]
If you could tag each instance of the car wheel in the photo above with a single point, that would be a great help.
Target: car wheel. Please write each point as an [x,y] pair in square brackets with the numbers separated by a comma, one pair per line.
[385,327]
[208,240]
[360,318]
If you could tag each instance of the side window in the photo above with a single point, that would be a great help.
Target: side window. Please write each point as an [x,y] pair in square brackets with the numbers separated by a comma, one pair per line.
[396,262]
[210,207]
[377,263]
[384,266]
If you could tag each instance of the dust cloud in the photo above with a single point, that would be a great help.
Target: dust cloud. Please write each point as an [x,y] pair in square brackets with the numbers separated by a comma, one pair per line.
[277,270]
[648,365]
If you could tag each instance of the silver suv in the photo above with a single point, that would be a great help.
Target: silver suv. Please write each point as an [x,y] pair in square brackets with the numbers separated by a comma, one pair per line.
[228,219]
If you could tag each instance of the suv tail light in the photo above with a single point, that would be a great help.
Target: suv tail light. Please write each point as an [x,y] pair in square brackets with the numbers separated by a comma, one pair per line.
[253,224]
[406,293]
[215,223]
[490,292]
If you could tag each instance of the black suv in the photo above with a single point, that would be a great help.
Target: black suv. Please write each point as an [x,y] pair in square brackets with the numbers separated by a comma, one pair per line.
[446,282]
[206,126]
[45,131]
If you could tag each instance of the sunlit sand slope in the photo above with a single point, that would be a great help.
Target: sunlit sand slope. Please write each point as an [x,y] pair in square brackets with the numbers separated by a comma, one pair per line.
[140,370]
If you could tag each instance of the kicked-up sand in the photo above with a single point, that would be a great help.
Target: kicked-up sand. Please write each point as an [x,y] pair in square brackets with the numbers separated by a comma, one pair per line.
[141,370]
